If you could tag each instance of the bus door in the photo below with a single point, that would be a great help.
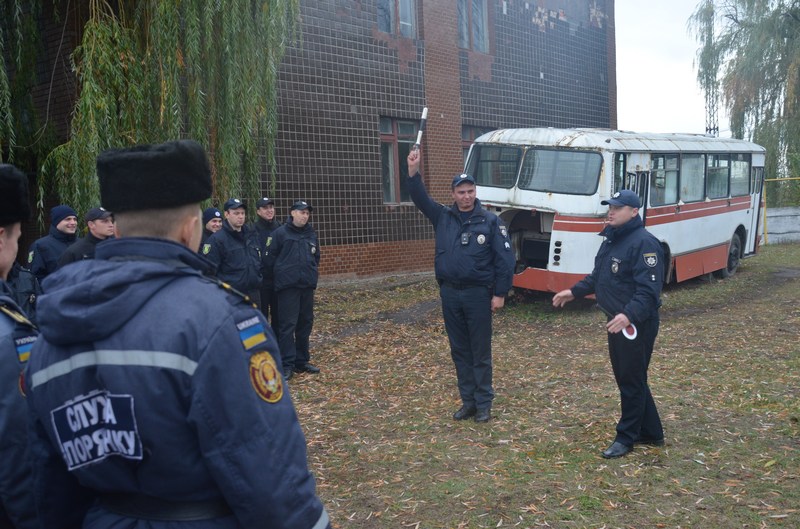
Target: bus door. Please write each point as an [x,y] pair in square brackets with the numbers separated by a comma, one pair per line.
[636,177]
[752,242]
[639,185]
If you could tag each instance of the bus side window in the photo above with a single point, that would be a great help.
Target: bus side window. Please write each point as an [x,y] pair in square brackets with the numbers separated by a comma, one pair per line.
[717,175]
[693,177]
[740,175]
[664,179]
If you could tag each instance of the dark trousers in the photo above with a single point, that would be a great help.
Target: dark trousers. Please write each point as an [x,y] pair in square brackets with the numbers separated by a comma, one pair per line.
[269,306]
[630,360]
[296,318]
[468,322]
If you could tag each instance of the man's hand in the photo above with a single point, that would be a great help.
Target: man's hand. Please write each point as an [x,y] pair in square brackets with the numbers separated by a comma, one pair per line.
[498,302]
[413,162]
[562,298]
[617,323]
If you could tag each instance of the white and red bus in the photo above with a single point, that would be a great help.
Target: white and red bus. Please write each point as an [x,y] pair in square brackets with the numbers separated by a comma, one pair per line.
[701,197]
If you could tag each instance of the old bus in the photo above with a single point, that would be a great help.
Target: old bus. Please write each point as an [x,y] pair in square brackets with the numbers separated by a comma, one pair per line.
[700,196]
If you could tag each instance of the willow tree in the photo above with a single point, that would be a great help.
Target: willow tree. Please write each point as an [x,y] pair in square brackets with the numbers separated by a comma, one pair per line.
[153,70]
[756,50]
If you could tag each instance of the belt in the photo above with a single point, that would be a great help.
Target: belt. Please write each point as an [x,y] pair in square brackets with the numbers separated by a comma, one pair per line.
[461,286]
[150,508]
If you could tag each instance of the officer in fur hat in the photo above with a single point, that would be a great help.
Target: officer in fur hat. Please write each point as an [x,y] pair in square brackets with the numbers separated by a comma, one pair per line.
[17,335]
[156,391]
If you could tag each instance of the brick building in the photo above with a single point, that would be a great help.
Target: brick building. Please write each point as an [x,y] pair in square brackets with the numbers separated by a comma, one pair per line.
[351,94]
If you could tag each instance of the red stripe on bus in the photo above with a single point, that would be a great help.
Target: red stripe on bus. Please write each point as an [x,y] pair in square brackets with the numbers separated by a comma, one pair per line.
[545,280]
[578,224]
[665,215]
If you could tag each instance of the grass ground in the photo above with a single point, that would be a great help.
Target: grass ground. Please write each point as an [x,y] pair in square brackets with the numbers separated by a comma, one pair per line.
[725,375]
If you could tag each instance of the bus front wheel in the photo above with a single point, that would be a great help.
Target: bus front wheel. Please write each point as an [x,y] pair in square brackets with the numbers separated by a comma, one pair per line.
[734,251]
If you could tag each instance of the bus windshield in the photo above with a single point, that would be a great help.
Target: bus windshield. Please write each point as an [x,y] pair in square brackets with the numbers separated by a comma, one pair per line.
[548,170]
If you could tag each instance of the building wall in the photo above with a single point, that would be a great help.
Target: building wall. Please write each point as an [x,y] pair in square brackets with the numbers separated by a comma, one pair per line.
[550,63]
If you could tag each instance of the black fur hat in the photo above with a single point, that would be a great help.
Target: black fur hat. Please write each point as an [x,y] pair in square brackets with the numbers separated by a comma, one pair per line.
[167,175]
[14,205]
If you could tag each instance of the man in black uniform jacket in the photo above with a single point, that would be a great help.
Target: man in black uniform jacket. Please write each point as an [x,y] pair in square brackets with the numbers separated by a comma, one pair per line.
[235,252]
[474,267]
[100,225]
[626,280]
[293,257]
[266,224]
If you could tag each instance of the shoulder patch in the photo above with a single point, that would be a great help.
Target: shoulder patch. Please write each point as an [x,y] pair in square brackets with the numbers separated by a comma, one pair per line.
[23,343]
[30,257]
[265,377]
[650,259]
[206,248]
[252,333]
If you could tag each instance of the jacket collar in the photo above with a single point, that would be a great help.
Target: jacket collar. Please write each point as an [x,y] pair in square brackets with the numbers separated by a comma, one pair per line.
[612,233]
[477,211]
[61,236]
[152,249]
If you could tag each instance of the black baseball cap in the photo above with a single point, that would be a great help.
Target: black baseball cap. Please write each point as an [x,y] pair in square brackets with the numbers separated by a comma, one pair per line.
[233,203]
[626,197]
[263,202]
[462,179]
[97,214]
[302,204]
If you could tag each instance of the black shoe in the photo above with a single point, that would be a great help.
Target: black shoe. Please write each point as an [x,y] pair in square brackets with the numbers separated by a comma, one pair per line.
[464,413]
[650,442]
[289,375]
[307,368]
[483,415]
[617,449]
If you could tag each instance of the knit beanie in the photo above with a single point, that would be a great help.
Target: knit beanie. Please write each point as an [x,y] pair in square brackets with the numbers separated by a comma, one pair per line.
[59,213]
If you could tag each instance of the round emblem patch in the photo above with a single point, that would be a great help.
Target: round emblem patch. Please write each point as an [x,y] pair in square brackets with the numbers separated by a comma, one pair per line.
[481,238]
[265,377]
[614,268]
[313,249]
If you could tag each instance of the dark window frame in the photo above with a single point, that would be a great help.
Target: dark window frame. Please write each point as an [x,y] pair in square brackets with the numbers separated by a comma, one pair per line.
[466,21]
[397,143]
[396,24]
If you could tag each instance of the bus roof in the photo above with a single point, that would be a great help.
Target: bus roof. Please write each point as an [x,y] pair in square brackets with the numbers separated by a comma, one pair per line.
[618,140]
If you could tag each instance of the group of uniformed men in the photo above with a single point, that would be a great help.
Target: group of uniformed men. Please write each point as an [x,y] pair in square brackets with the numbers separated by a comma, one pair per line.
[152,391]
[139,410]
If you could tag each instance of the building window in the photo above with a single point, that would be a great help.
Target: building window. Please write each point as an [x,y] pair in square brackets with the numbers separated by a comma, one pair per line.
[473,25]
[397,139]
[396,17]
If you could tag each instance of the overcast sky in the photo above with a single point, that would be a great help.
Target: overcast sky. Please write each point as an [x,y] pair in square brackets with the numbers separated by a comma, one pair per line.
[657,88]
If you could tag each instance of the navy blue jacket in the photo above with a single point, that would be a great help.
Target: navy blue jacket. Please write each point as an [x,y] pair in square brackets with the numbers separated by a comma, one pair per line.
[171,384]
[44,253]
[17,336]
[628,272]
[236,255]
[293,256]
[485,259]
[264,230]
[26,289]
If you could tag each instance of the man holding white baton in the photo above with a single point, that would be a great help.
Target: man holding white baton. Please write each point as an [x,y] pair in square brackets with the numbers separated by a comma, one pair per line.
[627,279]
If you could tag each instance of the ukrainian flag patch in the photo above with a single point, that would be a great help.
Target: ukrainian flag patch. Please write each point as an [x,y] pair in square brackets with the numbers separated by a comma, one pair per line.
[251,332]
[24,344]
